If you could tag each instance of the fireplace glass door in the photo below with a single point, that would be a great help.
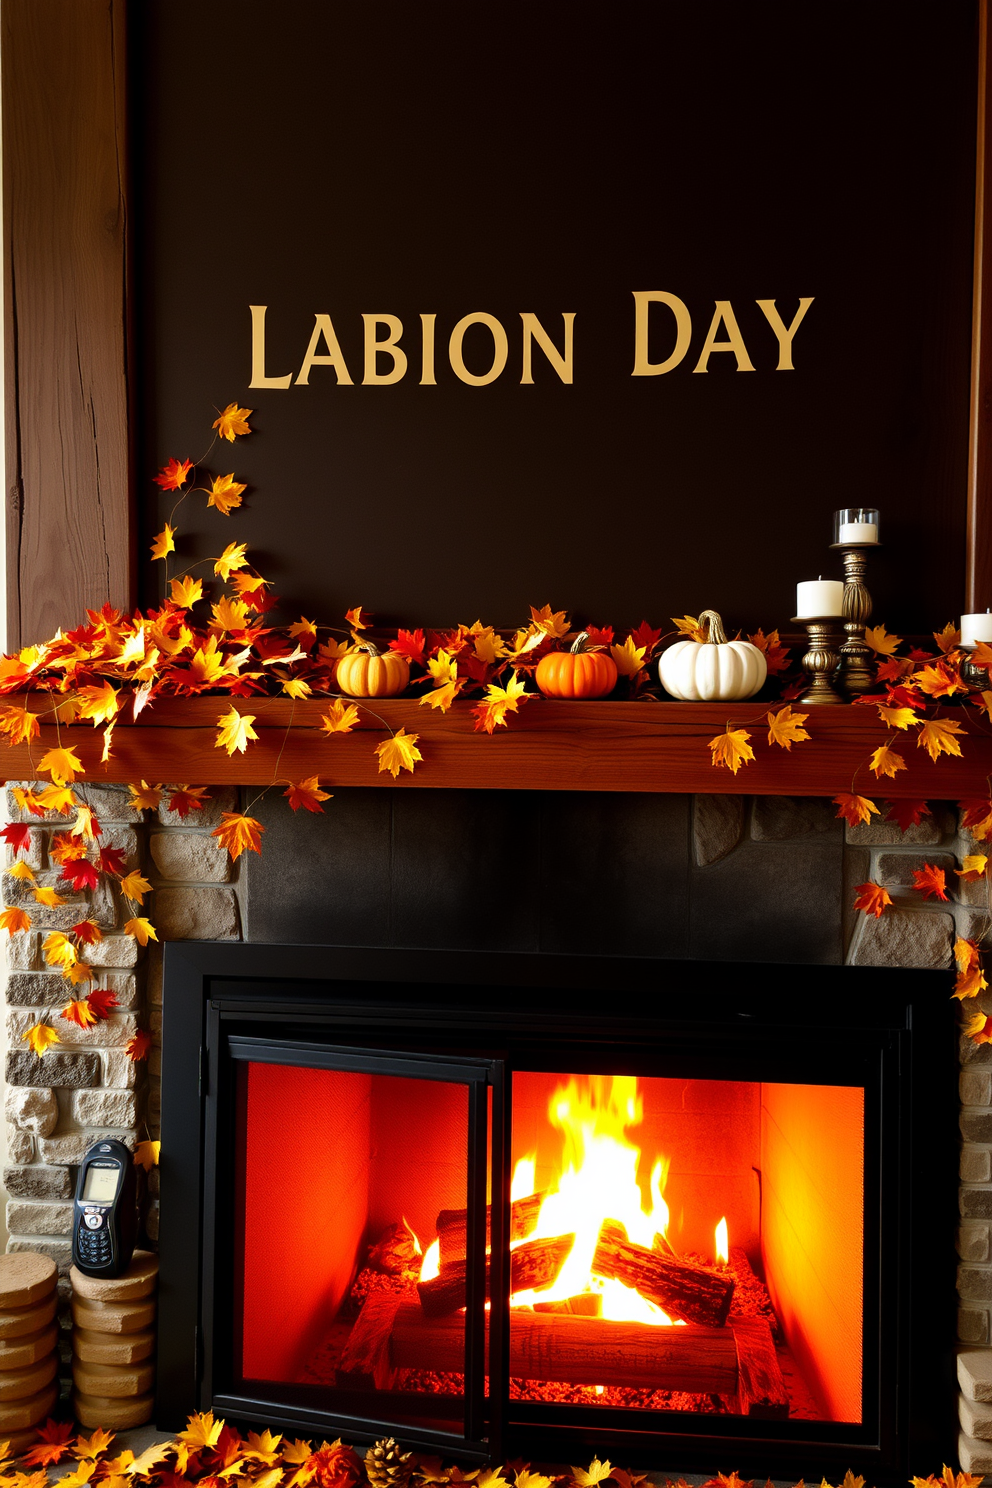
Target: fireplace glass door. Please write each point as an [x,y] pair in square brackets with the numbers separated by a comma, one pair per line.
[343,1161]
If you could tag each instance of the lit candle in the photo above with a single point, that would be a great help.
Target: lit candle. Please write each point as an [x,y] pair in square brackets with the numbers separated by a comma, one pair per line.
[976,628]
[819,599]
[856,524]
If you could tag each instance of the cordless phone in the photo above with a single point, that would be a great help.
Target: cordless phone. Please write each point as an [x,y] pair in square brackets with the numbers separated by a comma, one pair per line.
[105,1214]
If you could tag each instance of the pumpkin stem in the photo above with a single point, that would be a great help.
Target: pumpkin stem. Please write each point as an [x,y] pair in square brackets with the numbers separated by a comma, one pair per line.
[368,647]
[715,635]
[580,643]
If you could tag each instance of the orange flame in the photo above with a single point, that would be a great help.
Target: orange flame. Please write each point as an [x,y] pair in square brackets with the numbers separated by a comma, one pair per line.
[597,1181]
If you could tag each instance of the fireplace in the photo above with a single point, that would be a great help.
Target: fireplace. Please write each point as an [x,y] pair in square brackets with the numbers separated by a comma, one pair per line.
[501,1204]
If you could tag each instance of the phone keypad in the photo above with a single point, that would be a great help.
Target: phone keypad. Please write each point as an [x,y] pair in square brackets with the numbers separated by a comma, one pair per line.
[93,1244]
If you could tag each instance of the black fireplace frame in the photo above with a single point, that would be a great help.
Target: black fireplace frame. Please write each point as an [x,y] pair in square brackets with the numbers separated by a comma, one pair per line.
[480,1005]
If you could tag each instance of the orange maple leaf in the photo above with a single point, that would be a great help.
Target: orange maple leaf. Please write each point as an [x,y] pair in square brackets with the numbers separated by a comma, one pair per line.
[340,718]
[233,421]
[552,624]
[776,655]
[937,737]
[138,1048]
[54,1440]
[978,1028]
[239,833]
[20,725]
[173,475]
[731,749]
[930,881]
[14,921]
[871,898]
[225,494]
[881,642]
[307,793]
[855,809]
[941,680]
[886,761]
[970,978]
[899,718]
[80,1013]
[949,638]
[358,617]
[145,797]
[141,930]
[133,886]
[786,728]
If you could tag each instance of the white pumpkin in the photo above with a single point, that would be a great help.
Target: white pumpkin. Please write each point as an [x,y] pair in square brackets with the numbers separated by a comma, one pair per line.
[714,670]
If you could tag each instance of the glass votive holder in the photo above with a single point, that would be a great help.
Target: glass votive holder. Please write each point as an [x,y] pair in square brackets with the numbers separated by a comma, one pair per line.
[856,525]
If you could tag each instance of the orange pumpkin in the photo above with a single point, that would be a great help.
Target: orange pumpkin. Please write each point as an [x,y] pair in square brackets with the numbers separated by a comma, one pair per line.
[577,673]
[364,672]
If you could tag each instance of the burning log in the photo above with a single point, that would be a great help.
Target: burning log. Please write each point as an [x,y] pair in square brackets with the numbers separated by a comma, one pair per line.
[583,1304]
[581,1350]
[681,1290]
[451,1225]
[533,1265]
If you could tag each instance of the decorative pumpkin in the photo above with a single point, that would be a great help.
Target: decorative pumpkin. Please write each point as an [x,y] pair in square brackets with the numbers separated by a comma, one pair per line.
[365,672]
[577,673]
[714,670]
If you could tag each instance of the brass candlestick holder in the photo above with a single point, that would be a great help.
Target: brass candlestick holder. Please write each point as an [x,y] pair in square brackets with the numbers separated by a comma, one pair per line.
[855,531]
[820,661]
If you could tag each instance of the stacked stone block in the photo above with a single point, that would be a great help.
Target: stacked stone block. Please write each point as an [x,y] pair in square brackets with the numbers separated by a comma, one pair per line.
[113,1345]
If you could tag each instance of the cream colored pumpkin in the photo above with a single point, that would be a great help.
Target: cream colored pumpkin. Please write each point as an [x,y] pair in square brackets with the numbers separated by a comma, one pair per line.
[714,670]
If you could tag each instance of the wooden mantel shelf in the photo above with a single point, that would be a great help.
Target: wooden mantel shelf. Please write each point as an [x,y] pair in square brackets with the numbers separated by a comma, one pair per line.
[549,745]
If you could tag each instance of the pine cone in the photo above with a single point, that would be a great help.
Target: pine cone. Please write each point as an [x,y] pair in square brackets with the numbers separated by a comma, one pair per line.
[386,1466]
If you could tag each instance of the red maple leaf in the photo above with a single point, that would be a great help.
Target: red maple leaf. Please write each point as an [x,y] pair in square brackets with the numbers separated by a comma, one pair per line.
[18,834]
[113,860]
[646,637]
[918,656]
[102,1002]
[173,475]
[54,1443]
[907,813]
[892,668]
[601,635]
[410,643]
[976,810]
[794,689]
[186,798]
[87,932]
[929,881]
[81,873]
[139,1046]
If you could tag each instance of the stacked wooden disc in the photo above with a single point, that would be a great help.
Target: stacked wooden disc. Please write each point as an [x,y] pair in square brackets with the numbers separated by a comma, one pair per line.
[113,1341]
[29,1360]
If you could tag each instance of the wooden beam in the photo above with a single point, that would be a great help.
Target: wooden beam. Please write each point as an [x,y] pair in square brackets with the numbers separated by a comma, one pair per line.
[979,549]
[549,745]
[69,509]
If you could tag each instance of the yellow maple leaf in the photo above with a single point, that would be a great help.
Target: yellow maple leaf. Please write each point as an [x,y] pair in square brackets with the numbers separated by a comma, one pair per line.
[51,898]
[145,1464]
[295,687]
[141,930]
[235,730]
[57,798]
[145,797]
[59,949]
[690,626]
[78,1476]
[62,764]
[524,1478]
[442,697]
[886,761]
[490,1477]
[202,1430]
[294,1454]
[628,657]
[304,631]
[163,543]
[232,558]
[489,646]
[133,886]
[973,866]
[949,638]
[232,421]
[498,701]
[732,749]
[19,724]
[899,718]
[21,871]
[340,718]
[239,833]
[262,1446]
[398,753]
[79,972]
[225,494]
[443,667]
[185,592]
[228,615]
[881,642]
[554,625]
[40,1037]
[786,727]
[937,736]
[15,921]
[596,1472]
[86,824]
[147,1154]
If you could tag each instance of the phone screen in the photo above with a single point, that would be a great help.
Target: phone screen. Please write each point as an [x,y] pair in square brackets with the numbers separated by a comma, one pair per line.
[100,1186]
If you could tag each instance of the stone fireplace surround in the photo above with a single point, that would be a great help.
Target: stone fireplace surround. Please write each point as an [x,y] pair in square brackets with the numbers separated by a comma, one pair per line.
[715,877]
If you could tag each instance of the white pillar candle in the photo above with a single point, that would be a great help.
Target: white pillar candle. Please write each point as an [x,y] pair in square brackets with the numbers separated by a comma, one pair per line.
[819,599]
[976,628]
[858,532]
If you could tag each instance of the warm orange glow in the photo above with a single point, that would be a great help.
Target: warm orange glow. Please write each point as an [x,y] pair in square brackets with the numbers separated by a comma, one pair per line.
[722,1242]
[430,1266]
[597,1181]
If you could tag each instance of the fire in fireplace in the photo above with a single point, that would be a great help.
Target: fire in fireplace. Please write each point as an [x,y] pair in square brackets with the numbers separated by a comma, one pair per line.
[487,1213]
